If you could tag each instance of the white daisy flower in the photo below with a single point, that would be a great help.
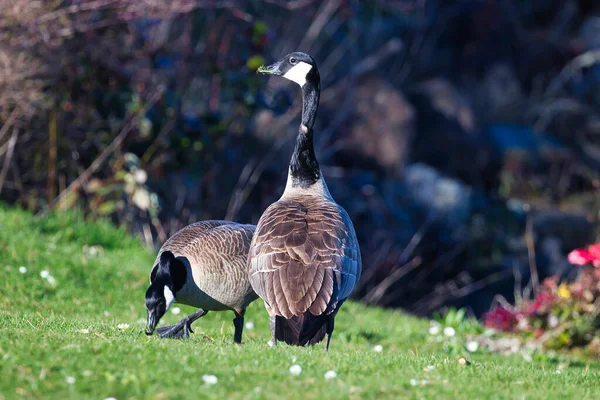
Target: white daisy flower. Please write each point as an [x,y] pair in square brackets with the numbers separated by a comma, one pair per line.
[44,274]
[22,269]
[434,330]
[378,348]
[413,382]
[123,326]
[295,369]
[449,331]
[51,280]
[110,398]
[270,343]
[331,374]
[210,379]
[472,346]
[249,325]
[106,313]
[70,380]
[175,310]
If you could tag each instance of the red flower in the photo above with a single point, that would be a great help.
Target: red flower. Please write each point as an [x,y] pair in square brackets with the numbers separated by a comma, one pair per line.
[580,257]
[595,250]
[585,256]
[500,319]
[542,302]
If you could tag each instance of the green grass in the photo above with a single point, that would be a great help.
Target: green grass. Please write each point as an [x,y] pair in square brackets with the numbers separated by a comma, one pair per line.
[49,333]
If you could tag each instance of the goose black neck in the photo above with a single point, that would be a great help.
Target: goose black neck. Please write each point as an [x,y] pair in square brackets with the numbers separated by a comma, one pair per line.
[170,272]
[304,167]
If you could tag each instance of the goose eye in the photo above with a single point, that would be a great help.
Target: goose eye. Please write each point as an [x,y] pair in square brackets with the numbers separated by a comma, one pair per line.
[293,60]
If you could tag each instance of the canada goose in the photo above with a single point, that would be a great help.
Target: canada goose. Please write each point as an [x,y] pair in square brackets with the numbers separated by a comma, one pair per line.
[203,265]
[304,258]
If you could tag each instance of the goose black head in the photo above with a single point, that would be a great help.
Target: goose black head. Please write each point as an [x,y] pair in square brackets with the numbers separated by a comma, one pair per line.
[166,278]
[297,67]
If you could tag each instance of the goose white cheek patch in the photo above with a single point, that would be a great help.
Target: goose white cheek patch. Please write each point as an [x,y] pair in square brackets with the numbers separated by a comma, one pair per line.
[169,297]
[298,73]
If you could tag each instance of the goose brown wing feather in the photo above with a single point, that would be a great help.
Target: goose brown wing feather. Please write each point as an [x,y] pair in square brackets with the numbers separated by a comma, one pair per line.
[212,241]
[304,256]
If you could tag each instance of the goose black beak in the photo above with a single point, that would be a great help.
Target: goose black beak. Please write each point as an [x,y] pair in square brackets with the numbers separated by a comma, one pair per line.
[152,321]
[273,69]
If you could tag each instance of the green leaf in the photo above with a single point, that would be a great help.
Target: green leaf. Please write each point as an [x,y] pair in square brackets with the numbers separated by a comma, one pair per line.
[254,62]
[106,208]
[260,28]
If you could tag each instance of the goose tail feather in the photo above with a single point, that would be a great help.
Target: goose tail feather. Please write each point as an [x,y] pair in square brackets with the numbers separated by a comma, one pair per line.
[301,330]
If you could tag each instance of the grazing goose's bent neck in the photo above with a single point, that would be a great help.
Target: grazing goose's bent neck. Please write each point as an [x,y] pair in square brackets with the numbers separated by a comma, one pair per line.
[304,168]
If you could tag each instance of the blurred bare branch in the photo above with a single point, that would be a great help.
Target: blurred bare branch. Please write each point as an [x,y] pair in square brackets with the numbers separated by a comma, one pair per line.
[117,141]
[8,158]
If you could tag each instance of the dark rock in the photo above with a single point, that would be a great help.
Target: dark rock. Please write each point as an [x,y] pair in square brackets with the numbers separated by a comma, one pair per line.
[448,138]
[448,199]
[589,33]
[499,96]
[379,129]
[572,230]
[448,101]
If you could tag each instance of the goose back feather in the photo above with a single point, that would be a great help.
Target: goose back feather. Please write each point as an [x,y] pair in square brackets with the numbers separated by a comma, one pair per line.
[214,254]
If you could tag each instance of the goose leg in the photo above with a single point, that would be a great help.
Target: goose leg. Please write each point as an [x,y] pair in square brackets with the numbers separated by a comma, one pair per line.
[183,328]
[272,326]
[329,331]
[238,323]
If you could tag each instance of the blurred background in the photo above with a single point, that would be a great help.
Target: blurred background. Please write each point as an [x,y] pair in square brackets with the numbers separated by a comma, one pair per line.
[463,137]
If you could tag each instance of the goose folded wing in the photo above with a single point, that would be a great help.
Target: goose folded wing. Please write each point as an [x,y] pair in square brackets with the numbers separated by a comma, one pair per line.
[302,262]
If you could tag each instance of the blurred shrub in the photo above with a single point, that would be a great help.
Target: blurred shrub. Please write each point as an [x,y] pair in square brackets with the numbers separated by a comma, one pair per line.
[150,113]
[560,315]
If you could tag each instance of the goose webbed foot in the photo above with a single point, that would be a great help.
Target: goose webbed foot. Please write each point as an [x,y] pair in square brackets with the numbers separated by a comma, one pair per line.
[182,329]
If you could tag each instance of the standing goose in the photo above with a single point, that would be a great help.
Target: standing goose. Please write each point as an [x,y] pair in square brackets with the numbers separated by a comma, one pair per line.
[304,258]
[203,265]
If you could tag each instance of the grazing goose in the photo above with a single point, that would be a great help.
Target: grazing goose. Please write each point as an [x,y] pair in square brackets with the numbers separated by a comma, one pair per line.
[203,265]
[304,258]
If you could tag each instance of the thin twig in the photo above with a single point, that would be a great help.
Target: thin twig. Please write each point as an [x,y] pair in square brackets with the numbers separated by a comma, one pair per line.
[241,193]
[160,230]
[323,15]
[501,300]
[535,282]
[366,65]
[370,273]
[518,287]
[9,154]
[52,152]
[585,60]
[375,294]
[435,300]
[8,124]
[416,238]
